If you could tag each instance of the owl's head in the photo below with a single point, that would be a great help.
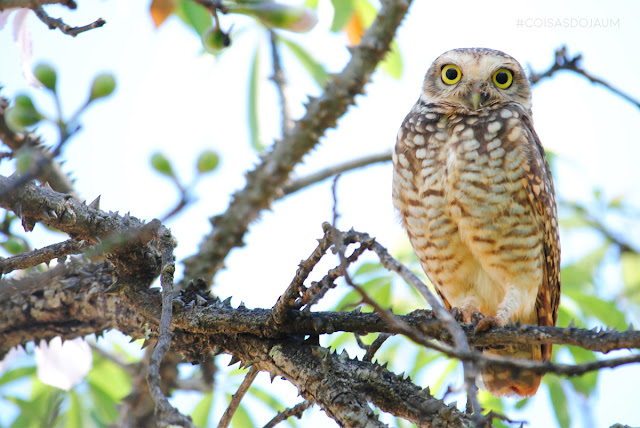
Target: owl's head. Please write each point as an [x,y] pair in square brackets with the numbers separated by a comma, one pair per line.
[470,79]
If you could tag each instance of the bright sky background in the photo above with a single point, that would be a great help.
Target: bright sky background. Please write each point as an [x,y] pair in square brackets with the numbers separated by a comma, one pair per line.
[173,99]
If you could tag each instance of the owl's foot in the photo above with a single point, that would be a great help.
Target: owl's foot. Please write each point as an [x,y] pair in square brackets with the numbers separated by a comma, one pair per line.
[486,323]
[457,314]
[466,316]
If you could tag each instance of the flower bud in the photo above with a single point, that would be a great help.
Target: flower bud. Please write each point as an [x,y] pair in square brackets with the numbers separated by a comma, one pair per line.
[46,75]
[207,161]
[160,163]
[103,86]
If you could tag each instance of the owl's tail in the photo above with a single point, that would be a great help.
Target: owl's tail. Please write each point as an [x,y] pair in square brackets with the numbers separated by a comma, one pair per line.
[501,382]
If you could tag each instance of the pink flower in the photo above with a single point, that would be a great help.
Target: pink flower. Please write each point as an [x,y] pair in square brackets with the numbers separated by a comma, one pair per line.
[63,365]
[22,37]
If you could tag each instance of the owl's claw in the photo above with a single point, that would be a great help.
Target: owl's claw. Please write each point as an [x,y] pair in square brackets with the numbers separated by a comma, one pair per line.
[486,323]
[457,314]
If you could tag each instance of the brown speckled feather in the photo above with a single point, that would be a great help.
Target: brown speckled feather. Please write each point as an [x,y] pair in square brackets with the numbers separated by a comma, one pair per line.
[474,191]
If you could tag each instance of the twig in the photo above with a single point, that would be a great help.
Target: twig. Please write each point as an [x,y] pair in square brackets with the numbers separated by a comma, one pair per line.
[264,183]
[237,397]
[565,62]
[373,348]
[42,255]
[296,411]
[58,23]
[31,4]
[168,414]
[51,172]
[322,175]
[459,338]
[281,310]
[279,79]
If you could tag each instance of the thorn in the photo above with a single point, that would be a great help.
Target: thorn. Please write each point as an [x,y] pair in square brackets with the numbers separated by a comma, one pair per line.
[572,324]
[227,302]
[241,306]
[273,375]
[201,301]
[46,185]
[234,360]
[95,204]
[344,356]
[630,327]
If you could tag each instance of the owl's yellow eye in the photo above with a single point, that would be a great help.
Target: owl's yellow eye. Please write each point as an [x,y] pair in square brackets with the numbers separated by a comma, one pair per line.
[451,74]
[503,78]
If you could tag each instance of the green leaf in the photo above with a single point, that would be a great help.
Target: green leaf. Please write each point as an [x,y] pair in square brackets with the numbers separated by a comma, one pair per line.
[342,11]
[604,310]
[254,86]
[109,378]
[207,161]
[579,275]
[241,418]
[194,15]
[368,267]
[392,63]
[450,368]
[17,373]
[573,222]
[586,383]
[202,410]
[631,273]
[559,401]
[268,398]
[161,163]
[14,246]
[74,415]
[104,405]
[315,69]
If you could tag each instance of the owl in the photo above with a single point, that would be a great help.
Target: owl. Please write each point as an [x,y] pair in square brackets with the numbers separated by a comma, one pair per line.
[474,191]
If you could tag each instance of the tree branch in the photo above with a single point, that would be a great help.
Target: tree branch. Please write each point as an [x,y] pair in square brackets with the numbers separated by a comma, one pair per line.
[322,175]
[264,184]
[43,255]
[237,397]
[51,172]
[58,23]
[565,62]
[296,411]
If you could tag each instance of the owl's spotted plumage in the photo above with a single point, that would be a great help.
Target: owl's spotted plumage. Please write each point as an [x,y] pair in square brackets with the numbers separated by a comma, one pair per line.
[475,194]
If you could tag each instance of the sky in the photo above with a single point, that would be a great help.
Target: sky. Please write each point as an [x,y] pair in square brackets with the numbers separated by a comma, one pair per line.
[173,99]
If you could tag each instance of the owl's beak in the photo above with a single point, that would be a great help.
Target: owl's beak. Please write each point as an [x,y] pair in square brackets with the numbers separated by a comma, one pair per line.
[475,100]
[478,96]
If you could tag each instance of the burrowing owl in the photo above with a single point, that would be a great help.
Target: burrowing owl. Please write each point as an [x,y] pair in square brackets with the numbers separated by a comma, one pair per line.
[474,191]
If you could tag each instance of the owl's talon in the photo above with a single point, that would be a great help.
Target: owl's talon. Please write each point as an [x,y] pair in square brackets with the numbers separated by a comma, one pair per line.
[476,317]
[457,314]
[486,323]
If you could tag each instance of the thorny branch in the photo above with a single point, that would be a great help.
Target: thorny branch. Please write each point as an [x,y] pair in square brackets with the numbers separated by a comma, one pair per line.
[264,183]
[42,255]
[166,412]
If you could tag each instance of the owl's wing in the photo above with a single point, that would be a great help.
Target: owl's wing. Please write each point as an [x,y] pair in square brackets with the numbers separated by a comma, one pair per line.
[413,135]
[539,185]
